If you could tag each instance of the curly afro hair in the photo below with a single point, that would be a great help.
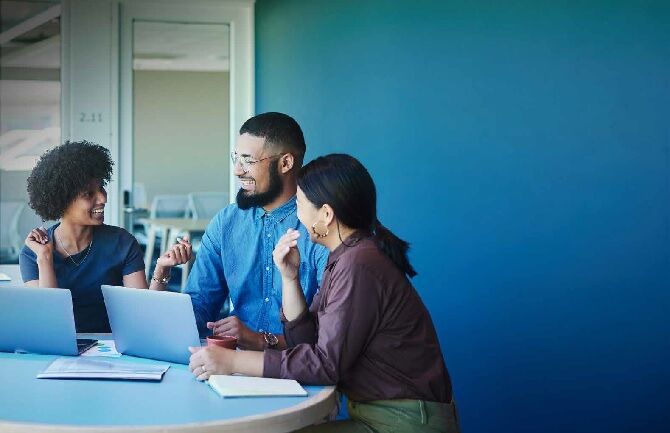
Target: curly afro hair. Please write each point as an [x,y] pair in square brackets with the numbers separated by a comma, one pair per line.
[64,172]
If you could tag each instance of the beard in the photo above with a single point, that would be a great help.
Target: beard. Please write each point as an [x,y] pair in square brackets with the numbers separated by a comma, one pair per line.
[248,200]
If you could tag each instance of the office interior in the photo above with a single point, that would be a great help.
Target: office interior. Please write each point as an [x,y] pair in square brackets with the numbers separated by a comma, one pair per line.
[522,148]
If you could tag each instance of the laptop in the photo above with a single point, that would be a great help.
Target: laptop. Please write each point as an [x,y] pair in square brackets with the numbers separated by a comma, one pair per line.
[39,320]
[151,324]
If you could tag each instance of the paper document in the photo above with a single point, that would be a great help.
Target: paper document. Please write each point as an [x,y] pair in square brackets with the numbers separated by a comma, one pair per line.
[105,348]
[88,368]
[245,386]
[5,277]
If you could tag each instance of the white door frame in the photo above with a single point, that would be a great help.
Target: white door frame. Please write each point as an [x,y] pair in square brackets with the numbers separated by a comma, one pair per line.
[89,81]
[238,14]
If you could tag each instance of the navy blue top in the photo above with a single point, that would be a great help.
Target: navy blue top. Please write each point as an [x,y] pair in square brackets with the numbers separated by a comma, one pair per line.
[114,253]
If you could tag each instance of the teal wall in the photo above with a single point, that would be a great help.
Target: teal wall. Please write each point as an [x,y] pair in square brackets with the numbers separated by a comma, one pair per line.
[523,148]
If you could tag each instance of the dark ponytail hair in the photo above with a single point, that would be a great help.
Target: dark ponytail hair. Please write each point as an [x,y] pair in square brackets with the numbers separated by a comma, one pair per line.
[342,182]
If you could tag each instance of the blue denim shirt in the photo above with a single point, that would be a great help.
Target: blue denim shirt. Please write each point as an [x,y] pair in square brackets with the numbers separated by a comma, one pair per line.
[235,259]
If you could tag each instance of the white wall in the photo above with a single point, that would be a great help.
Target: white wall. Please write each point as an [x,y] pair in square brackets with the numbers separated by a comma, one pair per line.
[181,123]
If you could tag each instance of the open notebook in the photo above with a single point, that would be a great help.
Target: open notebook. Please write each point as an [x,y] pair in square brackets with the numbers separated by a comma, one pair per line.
[245,386]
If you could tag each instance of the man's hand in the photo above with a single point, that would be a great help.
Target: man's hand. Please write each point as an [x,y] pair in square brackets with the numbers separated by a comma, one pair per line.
[246,338]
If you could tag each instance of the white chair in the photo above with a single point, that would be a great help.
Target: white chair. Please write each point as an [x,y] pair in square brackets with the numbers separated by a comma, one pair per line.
[139,195]
[162,206]
[204,205]
[20,219]
[169,206]
[9,212]
[138,210]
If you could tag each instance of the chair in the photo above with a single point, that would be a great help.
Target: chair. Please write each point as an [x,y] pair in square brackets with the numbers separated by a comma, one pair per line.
[17,219]
[165,206]
[162,206]
[9,212]
[169,206]
[204,205]
[139,195]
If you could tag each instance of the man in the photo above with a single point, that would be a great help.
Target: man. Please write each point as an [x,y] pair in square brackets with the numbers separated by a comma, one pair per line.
[235,256]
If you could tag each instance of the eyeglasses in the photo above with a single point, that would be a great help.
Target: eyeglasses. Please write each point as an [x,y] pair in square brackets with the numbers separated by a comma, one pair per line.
[246,161]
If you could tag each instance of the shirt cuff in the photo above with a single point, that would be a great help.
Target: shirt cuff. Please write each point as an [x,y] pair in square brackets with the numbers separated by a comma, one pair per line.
[290,324]
[271,363]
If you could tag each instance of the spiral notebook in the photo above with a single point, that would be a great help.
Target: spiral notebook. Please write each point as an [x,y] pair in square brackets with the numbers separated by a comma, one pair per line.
[245,386]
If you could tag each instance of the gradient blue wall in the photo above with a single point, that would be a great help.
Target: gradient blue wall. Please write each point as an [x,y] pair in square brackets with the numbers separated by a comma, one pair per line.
[523,148]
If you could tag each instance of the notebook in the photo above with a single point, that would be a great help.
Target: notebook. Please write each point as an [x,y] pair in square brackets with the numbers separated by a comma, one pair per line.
[246,386]
[151,324]
[39,320]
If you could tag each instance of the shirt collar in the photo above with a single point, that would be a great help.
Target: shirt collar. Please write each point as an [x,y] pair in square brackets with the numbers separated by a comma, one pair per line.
[351,241]
[280,213]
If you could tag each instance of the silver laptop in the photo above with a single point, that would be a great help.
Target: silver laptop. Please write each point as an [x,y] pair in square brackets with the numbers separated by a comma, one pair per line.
[39,320]
[151,324]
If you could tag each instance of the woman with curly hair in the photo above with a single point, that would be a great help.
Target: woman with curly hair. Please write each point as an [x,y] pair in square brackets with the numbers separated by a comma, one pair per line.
[80,252]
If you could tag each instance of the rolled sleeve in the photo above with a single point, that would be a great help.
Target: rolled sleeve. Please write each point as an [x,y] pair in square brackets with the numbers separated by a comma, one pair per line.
[300,330]
[272,363]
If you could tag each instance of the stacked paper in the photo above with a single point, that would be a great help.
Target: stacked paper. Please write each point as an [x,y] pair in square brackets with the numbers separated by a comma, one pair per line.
[88,368]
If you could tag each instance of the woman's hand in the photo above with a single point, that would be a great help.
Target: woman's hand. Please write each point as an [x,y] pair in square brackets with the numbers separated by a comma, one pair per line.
[38,241]
[206,361]
[180,253]
[286,255]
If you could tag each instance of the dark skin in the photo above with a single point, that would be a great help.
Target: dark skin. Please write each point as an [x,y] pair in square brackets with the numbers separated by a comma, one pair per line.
[254,179]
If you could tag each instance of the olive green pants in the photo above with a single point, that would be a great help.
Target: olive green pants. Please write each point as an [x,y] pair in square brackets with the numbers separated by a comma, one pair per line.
[390,416]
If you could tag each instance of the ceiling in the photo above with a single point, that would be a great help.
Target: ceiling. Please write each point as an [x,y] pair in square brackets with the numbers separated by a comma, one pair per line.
[30,38]
[181,46]
[30,34]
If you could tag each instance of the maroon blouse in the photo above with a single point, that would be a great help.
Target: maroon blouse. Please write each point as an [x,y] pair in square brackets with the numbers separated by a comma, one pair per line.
[367,331]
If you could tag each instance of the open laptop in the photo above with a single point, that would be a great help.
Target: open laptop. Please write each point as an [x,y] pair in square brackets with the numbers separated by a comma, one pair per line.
[151,324]
[39,320]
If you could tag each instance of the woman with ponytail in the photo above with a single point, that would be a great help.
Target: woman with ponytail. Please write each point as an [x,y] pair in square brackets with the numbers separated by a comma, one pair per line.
[367,330]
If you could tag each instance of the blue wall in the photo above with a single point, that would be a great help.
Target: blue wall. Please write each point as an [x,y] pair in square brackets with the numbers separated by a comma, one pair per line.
[524,151]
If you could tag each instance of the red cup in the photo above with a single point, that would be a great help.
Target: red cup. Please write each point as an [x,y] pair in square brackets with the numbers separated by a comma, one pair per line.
[225,341]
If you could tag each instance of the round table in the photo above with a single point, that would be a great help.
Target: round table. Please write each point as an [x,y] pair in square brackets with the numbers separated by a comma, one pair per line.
[178,403]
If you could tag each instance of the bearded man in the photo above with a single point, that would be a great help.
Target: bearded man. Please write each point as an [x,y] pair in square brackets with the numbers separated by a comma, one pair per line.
[234,260]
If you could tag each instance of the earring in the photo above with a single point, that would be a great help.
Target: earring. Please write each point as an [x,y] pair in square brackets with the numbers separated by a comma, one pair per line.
[319,235]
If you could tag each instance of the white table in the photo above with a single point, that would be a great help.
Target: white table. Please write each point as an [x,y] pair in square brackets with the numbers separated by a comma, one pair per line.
[178,403]
[170,227]
[14,273]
